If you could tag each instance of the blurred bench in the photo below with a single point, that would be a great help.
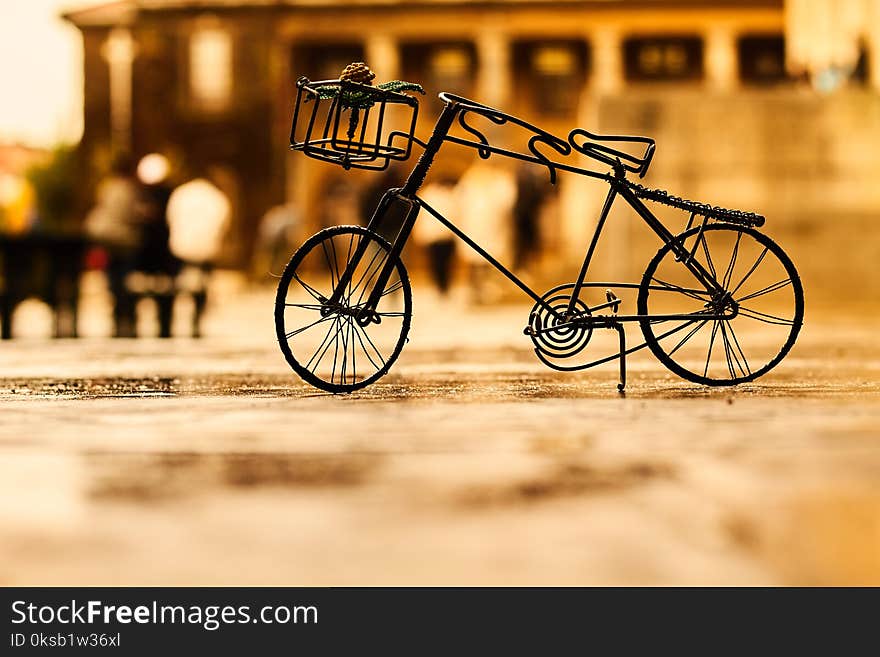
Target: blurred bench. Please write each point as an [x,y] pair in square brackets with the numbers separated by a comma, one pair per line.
[47,267]
[165,288]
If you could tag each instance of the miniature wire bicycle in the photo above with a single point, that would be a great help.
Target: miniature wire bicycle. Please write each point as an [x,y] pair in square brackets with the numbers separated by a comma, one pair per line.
[719,304]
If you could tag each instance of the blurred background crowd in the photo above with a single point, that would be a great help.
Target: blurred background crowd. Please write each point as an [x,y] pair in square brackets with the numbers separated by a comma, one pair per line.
[178,163]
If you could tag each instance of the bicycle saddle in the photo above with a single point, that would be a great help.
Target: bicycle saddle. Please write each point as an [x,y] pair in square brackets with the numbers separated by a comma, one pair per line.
[613,156]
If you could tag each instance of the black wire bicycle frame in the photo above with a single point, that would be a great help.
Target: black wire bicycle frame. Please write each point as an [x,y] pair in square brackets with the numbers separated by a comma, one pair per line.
[621,163]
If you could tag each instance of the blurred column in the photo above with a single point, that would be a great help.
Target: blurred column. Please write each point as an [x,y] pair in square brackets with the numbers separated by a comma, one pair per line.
[383,56]
[282,79]
[607,73]
[119,52]
[874,62]
[581,198]
[722,62]
[493,72]
[822,39]
[872,40]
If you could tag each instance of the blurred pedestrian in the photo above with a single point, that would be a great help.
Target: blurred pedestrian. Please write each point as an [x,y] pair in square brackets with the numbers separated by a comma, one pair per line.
[372,194]
[487,193]
[531,193]
[338,202]
[154,255]
[438,241]
[198,217]
[277,238]
[115,224]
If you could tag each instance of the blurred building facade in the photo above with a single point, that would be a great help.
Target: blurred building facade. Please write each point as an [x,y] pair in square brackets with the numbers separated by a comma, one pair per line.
[210,83]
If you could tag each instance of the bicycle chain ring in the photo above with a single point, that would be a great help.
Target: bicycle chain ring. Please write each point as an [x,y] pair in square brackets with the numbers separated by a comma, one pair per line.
[554,335]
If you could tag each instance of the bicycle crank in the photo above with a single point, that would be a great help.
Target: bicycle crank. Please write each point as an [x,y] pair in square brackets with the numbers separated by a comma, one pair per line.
[557,330]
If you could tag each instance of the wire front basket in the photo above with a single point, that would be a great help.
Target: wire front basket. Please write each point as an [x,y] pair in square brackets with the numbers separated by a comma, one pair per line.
[352,124]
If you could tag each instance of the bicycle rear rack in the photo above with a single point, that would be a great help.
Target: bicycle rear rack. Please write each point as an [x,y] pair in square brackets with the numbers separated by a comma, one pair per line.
[696,208]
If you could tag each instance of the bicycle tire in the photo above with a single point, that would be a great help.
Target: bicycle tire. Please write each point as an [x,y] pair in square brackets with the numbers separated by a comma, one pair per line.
[282,304]
[736,376]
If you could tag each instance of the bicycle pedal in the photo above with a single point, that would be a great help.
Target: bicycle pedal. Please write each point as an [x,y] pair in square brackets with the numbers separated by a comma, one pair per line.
[613,301]
[528,329]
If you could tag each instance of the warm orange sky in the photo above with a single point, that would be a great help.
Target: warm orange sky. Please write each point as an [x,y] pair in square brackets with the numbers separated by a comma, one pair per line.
[40,72]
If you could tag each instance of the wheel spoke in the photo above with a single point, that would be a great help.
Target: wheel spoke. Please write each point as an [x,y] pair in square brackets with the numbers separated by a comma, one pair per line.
[393,288]
[708,257]
[360,301]
[739,349]
[751,270]
[353,351]
[767,290]
[696,314]
[686,291]
[397,286]
[727,354]
[765,317]
[308,288]
[335,258]
[675,330]
[729,273]
[687,337]
[305,306]
[369,270]
[330,264]
[335,352]
[711,344]
[344,349]
[321,347]
[306,328]
[367,336]
[347,265]
[358,332]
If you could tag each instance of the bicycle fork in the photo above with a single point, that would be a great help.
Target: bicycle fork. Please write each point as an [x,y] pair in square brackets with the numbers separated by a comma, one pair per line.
[367,313]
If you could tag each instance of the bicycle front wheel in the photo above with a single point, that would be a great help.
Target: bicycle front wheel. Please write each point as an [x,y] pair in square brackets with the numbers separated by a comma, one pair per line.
[330,345]
[762,293]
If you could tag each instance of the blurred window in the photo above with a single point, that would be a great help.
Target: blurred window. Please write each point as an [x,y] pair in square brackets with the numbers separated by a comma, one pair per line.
[663,59]
[553,74]
[210,68]
[325,61]
[441,66]
[762,59]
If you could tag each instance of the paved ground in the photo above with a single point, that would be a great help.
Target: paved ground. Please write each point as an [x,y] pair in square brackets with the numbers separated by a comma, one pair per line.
[206,462]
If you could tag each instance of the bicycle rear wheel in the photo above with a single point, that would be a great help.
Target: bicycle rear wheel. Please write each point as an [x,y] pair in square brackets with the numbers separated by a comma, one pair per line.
[326,344]
[762,290]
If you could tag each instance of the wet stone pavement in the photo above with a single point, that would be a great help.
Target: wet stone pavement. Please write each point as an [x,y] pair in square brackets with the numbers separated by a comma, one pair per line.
[208,462]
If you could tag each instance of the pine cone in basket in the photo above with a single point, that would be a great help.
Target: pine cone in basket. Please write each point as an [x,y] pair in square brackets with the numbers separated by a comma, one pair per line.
[358,72]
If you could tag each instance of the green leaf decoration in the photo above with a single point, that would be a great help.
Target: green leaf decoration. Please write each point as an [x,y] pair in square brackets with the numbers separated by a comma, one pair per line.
[362,100]
[365,100]
[399,86]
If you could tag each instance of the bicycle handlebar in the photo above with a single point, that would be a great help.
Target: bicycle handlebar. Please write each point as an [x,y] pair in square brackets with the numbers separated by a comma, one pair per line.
[597,151]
